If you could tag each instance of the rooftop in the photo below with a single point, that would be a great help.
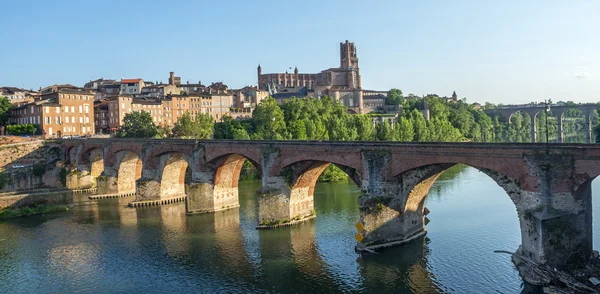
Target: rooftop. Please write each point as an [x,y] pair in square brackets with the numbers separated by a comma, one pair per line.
[130,80]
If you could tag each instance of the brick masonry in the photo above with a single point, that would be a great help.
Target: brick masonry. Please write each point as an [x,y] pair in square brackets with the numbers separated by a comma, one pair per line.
[549,184]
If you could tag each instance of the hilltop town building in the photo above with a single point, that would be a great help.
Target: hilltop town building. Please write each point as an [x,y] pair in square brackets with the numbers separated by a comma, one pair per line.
[66,111]
[132,86]
[16,95]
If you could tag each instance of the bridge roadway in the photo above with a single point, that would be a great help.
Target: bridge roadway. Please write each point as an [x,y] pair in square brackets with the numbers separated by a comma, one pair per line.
[558,111]
[550,185]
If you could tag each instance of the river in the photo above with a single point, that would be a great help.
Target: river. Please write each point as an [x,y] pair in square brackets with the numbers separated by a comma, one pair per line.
[104,246]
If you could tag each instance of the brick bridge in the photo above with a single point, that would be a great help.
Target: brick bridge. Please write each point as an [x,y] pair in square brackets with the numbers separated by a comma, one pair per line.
[558,110]
[550,185]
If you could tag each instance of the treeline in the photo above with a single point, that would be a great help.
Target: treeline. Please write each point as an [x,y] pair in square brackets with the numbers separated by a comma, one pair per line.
[326,119]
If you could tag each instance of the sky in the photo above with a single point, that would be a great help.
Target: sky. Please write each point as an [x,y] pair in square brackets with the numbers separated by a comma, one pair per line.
[487,51]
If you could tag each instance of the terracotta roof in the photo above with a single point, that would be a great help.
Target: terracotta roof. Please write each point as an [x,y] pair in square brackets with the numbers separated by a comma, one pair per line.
[131,80]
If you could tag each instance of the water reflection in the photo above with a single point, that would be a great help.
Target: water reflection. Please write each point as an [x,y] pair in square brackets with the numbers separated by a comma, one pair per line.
[399,270]
[105,246]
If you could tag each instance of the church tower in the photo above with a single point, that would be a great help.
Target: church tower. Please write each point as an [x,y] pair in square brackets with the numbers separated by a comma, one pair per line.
[348,58]
[259,71]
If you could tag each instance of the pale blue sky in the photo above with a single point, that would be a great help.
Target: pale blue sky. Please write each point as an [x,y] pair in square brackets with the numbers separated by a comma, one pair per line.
[497,51]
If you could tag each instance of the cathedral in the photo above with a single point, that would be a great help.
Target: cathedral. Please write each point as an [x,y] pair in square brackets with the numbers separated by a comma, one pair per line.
[343,83]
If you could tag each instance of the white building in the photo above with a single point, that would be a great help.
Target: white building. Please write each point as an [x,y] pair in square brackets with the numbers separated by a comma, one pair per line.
[132,86]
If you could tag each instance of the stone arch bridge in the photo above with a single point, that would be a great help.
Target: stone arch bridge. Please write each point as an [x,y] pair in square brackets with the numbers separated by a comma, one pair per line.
[550,185]
[558,110]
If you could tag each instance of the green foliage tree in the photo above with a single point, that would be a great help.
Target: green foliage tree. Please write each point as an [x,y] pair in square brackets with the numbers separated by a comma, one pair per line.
[5,107]
[199,128]
[394,97]
[269,121]
[364,127]
[404,130]
[383,131]
[138,124]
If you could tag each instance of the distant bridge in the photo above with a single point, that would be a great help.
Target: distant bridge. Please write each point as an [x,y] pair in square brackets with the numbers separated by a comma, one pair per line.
[550,185]
[558,111]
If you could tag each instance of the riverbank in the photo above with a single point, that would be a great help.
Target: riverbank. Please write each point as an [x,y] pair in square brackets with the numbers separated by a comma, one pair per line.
[27,211]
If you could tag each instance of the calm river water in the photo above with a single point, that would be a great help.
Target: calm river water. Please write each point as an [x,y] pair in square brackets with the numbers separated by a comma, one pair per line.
[106,247]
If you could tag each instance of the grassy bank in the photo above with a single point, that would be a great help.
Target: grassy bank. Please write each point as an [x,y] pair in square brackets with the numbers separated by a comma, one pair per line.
[26,211]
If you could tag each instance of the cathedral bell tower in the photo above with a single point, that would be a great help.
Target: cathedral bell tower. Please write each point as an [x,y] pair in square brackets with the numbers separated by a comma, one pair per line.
[259,71]
[348,58]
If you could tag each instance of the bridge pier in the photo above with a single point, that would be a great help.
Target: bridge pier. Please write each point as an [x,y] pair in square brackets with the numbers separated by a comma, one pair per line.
[206,197]
[77,180]
[588,128]
[108,185]
[393,212]
[561,132]
[279,205]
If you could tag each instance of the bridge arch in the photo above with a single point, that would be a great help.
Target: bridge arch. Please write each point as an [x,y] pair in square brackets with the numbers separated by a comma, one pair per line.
[416,182]
[129,171]
[227,169]
[91,161]
[302,177]
[172,174]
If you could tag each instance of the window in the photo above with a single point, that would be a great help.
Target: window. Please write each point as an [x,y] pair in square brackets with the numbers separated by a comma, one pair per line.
[66,119]
[87,119]
[57,109]
[80,109]
[72,119]
[87,108]
[80,119]
[47,109]
[73,109]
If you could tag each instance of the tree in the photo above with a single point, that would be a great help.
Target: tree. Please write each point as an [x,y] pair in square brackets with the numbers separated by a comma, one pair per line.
[383,131]
[205,124]
[5,107]
[419,125]
[364,127]
[268,121]
[404,130]
[138,125]
[199,128]
[394,97]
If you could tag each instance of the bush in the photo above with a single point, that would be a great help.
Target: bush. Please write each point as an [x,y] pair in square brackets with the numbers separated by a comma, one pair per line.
[26,211]
[23,129]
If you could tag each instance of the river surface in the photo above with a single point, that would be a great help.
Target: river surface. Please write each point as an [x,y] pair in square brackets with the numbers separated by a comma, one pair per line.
[105,247]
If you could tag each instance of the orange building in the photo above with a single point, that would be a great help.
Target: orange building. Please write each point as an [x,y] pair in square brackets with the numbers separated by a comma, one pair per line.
[67,111]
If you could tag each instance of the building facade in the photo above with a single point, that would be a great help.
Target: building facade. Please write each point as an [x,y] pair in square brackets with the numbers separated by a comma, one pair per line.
[132,86]
[16,95]
[248,97]
[64,112]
